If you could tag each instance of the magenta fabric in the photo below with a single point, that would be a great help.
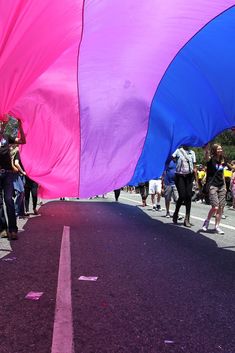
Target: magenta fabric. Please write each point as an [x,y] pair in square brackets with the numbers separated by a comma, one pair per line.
[52,153]
[125,51]
[47,77]
[39,46]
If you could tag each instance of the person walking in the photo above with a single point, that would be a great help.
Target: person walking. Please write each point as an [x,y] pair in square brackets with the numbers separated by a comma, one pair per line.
[155,189]
[185,173]
[8,229]
[144,191]
[18,181]
[169,187]
[117,194]
[31,187]
[232,185]
[216,185]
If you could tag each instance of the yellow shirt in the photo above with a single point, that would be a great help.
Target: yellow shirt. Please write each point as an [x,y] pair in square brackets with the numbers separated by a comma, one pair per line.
[227,173]
[201,174]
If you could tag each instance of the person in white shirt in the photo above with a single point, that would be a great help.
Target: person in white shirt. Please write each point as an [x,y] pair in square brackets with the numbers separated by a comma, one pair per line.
[186,171]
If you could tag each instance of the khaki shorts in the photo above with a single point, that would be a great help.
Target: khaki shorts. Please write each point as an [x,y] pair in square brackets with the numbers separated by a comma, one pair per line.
[169,192]
[217,196]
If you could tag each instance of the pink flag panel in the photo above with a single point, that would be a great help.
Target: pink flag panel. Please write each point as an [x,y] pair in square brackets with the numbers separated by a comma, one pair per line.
[52,153]
[39,43]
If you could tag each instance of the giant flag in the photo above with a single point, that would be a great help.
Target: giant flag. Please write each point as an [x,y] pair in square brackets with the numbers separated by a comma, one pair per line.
[107,90]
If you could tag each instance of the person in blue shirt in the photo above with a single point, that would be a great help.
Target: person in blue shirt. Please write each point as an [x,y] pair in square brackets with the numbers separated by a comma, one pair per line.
[170,190]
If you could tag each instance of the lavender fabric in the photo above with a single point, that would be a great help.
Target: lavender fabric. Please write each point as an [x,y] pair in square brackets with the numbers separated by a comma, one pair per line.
[125,51]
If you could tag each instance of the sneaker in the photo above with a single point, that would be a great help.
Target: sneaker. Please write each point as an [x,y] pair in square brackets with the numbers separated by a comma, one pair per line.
[199,201]
[168,215]
[223,216]
[205,225]
[154,207]
[218,230]
[3,234]
[158,208]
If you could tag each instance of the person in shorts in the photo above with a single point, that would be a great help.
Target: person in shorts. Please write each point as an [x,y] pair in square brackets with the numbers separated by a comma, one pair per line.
[216,185]
[155,189]
[169,187]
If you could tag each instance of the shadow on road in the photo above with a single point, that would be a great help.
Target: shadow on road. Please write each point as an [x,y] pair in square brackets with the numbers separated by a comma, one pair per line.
[160,288]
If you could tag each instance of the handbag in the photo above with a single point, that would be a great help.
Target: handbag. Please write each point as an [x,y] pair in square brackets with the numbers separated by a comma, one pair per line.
[207,185]
[206,188]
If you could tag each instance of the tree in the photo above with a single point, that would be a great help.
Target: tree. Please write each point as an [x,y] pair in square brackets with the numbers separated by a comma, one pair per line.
[226,139]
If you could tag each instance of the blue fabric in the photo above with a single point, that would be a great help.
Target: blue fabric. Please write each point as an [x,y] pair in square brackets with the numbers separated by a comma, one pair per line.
[195,100]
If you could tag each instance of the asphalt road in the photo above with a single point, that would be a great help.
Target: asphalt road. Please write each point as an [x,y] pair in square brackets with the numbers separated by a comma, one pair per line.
[161,287]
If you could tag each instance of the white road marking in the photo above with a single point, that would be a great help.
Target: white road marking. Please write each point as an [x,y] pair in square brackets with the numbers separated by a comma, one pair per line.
[5,247]
[194,217]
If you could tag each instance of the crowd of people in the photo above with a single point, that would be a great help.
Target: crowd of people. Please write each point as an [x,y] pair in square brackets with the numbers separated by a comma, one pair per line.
[15,186]
[184,181]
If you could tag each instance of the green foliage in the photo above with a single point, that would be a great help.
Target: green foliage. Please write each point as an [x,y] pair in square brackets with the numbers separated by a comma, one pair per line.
[226,139]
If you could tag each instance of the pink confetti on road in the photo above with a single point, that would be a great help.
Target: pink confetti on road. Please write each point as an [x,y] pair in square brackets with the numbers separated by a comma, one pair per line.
[168,342]
[90,278]
[34,295]
[9,259]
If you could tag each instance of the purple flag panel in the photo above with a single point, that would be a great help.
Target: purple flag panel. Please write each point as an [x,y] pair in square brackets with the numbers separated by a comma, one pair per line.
[125,51]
